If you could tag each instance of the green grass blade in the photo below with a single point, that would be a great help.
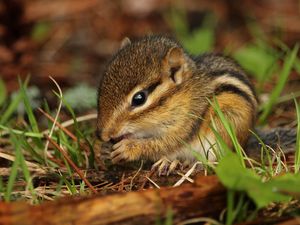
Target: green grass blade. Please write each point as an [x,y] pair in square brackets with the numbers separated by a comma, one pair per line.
[2,92]
[47,110]
[11,108]
[229,128]
[70,187]
[20,132]
[59,186]
[27,175]
[28,109]
[241,208]
[82,187]
[224,147]
[197,155]
[169,217]
[14,169]
[72,150]
[35,154]
[283,76]
[230,204]
[297,154]
[264,150]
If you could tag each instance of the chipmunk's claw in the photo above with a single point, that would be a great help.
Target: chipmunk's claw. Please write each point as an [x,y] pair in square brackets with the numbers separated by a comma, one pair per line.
[125,150]
[174,164]
[118,153]
[121,152]
[165,167]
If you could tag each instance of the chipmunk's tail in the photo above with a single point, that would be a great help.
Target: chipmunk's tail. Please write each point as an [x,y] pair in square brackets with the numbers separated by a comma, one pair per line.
[279,139]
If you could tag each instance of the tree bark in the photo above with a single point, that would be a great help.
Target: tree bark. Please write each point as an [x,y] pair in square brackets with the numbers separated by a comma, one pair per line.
[206,197]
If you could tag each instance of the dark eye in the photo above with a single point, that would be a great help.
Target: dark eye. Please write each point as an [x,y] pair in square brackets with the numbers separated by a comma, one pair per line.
[139,98]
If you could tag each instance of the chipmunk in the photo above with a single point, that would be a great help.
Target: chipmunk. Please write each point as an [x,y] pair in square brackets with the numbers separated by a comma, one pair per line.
[154,102]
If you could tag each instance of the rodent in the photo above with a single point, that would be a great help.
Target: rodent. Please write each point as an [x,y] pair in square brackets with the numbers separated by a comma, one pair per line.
[153,102]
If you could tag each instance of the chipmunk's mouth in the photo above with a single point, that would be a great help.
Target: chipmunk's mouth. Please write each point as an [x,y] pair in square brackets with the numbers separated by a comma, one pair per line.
[129,136]
[120,138]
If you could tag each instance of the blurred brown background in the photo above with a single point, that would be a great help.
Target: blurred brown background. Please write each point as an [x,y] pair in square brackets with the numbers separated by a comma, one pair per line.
[71,39]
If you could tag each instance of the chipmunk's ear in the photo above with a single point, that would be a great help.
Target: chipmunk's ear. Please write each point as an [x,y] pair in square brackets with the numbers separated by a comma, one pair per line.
[126,41]
[175,63]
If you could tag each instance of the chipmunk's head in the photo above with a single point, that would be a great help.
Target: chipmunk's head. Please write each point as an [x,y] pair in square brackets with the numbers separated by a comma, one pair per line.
[137,95]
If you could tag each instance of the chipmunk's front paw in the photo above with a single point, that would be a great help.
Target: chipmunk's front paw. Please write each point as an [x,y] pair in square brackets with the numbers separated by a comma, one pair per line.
[125,150]
[164,166]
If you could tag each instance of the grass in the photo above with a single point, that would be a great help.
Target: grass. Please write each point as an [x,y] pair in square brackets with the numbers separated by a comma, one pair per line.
[283,76]
[11,107]
[258,184]
[28,141]
[297,154]
[3,93]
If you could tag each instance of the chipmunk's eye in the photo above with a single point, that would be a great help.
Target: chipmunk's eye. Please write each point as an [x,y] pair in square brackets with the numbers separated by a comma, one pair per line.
[139,98]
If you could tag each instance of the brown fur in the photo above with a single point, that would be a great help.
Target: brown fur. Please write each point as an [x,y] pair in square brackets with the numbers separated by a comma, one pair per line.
[240,119]
[173,113]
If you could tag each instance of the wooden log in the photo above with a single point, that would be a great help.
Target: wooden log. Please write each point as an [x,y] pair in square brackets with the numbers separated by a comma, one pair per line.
[285,220]
[294,221]
[206,197]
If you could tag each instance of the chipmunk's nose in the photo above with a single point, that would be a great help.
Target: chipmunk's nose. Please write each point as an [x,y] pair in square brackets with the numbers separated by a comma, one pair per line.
[105,137]
[108,135]
[102,135]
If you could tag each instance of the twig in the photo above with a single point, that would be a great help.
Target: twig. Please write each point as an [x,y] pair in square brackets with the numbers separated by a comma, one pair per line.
[186,176]
[12,158]
[58,125]
[70,134]
[121,187]
[72,164]
[155,184]
[55,119]
[151,172]
[78,119]
[206,220]
[131,182]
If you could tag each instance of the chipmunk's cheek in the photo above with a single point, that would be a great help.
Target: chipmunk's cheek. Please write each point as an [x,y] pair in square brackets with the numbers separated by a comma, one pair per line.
[124,150]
